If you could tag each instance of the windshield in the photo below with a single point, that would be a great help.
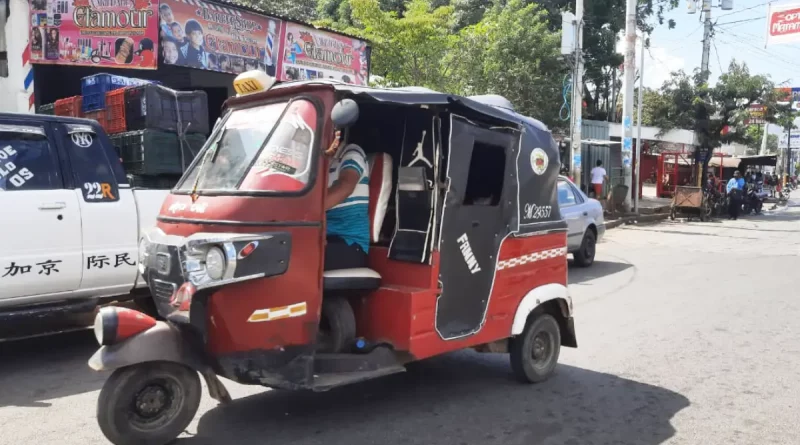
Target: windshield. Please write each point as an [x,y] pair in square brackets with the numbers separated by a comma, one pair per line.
[265,148]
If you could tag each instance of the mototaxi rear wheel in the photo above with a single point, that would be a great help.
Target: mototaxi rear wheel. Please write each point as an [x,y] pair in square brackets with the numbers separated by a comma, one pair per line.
[149,403]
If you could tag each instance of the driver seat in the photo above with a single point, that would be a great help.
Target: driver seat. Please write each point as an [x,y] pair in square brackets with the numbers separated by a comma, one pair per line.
[380,189]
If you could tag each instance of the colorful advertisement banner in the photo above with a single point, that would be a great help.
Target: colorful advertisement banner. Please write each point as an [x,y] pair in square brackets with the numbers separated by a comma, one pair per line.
[110,33]
[203,35]
[310,53]
[783,24]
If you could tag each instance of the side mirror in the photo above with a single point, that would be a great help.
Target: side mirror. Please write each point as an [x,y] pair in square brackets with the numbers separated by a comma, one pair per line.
[344,113]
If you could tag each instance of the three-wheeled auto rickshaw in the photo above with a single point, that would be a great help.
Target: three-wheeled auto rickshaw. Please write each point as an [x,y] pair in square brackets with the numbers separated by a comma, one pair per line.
[468,250]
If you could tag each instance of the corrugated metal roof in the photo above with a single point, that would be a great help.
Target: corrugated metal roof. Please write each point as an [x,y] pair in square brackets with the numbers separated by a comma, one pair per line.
[260,11]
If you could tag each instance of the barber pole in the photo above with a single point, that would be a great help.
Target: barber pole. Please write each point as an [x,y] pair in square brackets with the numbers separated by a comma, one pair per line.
[27,70]
[268,57]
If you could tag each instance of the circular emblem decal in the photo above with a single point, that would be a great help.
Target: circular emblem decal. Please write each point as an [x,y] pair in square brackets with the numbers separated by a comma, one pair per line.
[539,161]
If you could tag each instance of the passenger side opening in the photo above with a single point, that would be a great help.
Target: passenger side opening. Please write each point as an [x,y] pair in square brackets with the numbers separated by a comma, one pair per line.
[486,173]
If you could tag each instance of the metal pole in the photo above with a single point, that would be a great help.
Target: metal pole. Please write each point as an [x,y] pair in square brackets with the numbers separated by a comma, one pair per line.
[639,130]
[706,38]
[627,103]
[577,97]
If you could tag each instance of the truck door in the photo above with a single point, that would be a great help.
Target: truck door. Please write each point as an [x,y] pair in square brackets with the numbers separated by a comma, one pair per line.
[477,208]
[108,210]
[40,226]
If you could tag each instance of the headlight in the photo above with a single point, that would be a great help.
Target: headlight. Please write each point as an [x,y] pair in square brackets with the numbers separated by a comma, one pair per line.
[98,328]
[215,263]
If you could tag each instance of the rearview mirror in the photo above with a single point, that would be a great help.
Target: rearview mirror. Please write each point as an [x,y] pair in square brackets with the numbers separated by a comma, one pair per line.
[344,113]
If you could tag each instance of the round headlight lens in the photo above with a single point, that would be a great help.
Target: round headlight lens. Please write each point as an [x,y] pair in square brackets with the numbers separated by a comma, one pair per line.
[215,263]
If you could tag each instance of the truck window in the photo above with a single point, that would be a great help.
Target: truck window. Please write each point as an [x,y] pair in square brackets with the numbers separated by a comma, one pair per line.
[27,160]
[91,169]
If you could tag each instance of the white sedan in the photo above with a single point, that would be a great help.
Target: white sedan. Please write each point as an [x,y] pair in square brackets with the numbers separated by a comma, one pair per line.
[585,223]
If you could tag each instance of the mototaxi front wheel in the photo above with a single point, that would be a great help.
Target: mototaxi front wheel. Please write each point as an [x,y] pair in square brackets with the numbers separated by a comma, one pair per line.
[149,403]
[534,353]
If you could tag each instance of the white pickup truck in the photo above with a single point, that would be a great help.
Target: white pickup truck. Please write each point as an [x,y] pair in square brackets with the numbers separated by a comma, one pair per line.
[70,221]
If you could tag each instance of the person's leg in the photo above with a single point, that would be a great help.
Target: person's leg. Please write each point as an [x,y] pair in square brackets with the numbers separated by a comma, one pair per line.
[737,205]
[340,255]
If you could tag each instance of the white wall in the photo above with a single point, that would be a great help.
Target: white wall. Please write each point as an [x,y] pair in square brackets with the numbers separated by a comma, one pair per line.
[13,97]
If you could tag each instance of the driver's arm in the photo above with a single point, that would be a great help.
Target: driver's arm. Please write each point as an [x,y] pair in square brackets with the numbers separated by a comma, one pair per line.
[342,188]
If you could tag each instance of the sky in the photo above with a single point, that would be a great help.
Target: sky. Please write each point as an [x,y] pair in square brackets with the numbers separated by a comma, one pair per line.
[739,35]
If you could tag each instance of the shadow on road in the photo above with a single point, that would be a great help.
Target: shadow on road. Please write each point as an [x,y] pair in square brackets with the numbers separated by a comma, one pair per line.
[460,399]
[599,269]
[40,369]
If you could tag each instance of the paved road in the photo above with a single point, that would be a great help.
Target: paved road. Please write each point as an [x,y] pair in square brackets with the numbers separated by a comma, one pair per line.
[688,335]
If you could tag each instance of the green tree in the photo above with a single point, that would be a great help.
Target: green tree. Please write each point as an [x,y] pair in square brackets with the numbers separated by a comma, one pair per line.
[717,114]
[755,135]
[407,50]
[513,53]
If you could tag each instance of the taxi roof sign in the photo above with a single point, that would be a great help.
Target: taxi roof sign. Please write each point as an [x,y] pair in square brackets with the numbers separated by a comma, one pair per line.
[253,81]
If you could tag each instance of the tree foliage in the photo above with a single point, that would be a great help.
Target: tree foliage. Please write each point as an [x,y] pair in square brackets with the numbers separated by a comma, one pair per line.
[511,51]
[718,114]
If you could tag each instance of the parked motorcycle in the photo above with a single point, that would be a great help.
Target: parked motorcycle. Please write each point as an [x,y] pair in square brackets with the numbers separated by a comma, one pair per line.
[753,200]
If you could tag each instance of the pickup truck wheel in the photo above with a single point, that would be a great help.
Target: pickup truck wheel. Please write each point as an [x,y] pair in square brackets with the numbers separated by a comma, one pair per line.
[584,257]
[337,329]
[534,353]
[148,404]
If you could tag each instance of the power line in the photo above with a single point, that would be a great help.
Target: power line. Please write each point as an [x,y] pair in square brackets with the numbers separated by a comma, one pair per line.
[719,62]
[745,9]
[742,21]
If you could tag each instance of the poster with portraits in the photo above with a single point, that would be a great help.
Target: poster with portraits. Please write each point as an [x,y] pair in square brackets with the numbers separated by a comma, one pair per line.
[108,33]
[214,37]
[309,53]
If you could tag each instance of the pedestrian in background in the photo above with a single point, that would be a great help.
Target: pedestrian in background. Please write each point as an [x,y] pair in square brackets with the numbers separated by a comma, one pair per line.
[735,190]
[599,177]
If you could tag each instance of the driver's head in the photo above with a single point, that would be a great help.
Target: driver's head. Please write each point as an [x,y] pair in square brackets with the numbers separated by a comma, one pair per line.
[736,174]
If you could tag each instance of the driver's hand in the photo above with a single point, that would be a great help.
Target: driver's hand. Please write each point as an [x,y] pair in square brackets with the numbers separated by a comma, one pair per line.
[337,137]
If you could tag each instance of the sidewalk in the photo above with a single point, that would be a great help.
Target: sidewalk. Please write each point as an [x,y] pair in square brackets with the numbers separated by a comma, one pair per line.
[651,209]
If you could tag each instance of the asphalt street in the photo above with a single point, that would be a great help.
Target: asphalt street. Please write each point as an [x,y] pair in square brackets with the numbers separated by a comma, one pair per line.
[688,335]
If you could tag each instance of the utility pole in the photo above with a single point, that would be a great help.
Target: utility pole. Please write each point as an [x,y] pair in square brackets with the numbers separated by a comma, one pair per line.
[639,131]
[706,38]
[576,147]
[627,102]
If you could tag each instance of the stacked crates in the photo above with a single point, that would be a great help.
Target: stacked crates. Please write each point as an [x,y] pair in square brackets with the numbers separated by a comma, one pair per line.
[70,106]
[164,131]
[94,89]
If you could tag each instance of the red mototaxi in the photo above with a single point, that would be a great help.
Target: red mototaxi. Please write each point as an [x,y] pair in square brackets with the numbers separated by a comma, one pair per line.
[468,251]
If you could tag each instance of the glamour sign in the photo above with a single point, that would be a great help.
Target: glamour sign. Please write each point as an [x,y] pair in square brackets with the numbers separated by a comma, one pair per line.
[783,24]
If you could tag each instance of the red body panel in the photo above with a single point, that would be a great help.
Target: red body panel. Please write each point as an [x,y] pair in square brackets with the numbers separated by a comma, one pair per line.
[403,310]
[231,306]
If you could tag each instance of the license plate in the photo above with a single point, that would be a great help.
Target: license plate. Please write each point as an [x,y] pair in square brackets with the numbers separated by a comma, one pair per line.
[163,263]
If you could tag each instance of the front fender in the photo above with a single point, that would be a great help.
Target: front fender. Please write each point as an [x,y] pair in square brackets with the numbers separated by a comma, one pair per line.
[162,342]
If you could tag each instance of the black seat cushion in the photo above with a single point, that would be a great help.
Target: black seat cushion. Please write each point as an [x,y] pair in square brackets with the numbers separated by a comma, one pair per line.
[360,278]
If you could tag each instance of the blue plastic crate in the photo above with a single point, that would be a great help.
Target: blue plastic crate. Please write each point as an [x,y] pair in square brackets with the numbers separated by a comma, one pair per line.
[95,87]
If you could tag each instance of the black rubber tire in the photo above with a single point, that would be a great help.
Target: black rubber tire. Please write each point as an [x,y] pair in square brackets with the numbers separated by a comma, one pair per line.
[114,406]
[521,349]
[584,257]
[340,322]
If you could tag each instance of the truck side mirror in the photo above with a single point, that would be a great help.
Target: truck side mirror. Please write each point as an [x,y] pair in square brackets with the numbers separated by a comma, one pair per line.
[344,113]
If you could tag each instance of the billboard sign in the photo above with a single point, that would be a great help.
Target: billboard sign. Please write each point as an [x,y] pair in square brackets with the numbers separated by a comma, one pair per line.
[210,36]
[108,33]
[783,24]
[310,53]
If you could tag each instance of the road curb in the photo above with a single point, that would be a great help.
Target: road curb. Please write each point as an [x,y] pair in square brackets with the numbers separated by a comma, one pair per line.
[636,219]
